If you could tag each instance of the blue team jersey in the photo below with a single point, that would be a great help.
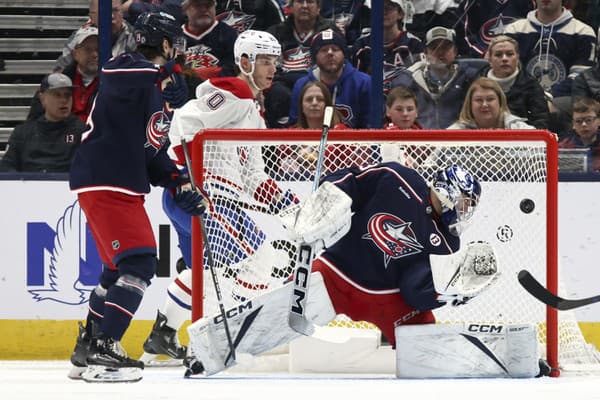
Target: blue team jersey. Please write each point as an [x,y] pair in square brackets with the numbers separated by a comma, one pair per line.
[124,148]
[394,230]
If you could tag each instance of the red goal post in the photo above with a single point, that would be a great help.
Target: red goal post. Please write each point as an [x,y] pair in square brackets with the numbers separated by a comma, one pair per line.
[497,155]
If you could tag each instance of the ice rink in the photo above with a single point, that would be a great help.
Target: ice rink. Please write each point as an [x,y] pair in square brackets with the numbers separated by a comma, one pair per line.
[47,380]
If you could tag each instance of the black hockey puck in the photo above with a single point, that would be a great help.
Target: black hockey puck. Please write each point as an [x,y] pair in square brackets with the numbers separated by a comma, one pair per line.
[527,206]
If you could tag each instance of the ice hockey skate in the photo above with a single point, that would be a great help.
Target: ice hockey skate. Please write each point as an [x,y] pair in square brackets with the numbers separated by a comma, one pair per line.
[163,341]
[79,355]
[108,362]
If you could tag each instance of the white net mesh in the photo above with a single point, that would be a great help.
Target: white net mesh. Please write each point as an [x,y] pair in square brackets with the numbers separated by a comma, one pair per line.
[246,236]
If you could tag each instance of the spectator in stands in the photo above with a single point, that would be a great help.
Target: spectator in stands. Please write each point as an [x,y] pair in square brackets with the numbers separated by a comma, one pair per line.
[350,88]
[401,109]
[134,8]
[353,18]
[209,42]
[587,84]
[586,135]
[48,143]
[554,46]
[250,14]
[121,34]
[485,107]
[314,97]
[401,49]
[83,72]
[295,35]
[439,83]
[295,161]
[485,19]
[524,94]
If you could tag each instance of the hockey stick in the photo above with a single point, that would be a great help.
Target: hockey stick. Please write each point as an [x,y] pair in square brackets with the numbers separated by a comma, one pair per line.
[306,252]
[550,299]
[230,360]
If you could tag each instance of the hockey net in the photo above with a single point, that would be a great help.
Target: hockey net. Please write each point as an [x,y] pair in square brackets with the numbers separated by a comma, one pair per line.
[517,214]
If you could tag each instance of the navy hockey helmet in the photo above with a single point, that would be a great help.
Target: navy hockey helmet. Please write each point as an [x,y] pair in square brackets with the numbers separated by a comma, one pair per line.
[150,28]
[459,192]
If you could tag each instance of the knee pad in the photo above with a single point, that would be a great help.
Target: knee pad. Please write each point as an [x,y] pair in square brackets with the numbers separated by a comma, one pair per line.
[108,278]
[140,265]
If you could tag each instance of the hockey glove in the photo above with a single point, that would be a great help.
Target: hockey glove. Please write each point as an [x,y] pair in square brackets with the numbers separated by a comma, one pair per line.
[282,201]
[185,197]
[176,91]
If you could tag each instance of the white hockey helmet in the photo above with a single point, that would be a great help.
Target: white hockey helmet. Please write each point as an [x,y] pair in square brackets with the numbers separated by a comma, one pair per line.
[251,43]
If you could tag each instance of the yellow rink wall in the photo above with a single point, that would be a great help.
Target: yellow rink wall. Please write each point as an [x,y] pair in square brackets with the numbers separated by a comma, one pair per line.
[54,340]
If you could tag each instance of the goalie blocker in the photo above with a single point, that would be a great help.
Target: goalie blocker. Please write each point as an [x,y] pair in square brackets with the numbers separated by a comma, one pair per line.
[469,351]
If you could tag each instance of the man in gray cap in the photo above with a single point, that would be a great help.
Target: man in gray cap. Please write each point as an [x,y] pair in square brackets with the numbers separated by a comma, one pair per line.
[439,83]
[46,144]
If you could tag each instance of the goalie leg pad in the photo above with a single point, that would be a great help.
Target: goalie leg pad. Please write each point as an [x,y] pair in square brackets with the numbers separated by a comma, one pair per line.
[256,326]
[469,351]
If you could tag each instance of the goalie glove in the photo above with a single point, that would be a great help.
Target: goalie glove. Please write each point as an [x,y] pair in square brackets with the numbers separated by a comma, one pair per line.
[325,216]
[461,276]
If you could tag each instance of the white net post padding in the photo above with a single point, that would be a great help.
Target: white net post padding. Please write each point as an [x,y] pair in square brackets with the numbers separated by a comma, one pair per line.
[516,170]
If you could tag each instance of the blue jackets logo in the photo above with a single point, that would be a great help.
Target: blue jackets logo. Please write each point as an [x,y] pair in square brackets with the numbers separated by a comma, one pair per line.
[393,236]
[62,261]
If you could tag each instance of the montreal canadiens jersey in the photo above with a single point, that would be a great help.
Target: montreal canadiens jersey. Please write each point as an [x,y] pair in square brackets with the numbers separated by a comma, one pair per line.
[394,230]
[223,103]
[124,148]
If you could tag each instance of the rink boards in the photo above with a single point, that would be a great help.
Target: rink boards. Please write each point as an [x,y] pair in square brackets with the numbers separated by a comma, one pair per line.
[44,292]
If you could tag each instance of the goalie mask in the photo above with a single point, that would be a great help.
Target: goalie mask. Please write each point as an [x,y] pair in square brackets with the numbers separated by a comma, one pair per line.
[458,192]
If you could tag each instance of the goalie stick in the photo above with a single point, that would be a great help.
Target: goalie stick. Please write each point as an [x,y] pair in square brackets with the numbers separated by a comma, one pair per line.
[550,299]
[211,265]
[306,252]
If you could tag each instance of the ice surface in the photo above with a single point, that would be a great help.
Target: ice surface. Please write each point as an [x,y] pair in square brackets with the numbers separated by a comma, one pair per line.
[47,380]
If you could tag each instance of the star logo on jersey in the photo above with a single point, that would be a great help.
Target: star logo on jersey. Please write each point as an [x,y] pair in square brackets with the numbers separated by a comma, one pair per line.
[157,129]
[237,20]
[200,56]
[494,27]
[393,236]
[296,59]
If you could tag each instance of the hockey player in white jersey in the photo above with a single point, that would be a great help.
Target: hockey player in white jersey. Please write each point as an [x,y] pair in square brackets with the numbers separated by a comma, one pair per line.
[229,102]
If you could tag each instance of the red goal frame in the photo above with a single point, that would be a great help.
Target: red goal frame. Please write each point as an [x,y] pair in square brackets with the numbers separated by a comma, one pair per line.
[197,154]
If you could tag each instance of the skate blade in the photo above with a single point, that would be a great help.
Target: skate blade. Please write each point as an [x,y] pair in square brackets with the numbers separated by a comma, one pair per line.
[76,372]
[159,360]
[101,374]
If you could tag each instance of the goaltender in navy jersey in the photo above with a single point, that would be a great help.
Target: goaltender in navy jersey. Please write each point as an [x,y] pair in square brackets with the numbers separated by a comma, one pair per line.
[121,153]
[394,230]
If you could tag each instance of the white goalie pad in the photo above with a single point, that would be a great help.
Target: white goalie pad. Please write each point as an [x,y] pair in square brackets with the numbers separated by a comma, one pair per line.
[326,215]
[465,273]
[469,351]
[256,326]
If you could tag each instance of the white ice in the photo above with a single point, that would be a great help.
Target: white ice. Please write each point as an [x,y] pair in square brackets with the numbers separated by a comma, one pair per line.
[47,380]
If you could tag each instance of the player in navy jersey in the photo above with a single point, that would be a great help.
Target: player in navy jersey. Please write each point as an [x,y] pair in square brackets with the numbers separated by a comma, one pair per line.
[382,228]
[239,173]
[122,153]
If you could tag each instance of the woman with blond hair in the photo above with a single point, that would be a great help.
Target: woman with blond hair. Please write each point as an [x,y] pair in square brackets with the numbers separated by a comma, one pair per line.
[485,107]
[524,94]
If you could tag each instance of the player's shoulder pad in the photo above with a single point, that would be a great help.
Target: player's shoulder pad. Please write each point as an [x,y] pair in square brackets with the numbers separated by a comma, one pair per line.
[235,86]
